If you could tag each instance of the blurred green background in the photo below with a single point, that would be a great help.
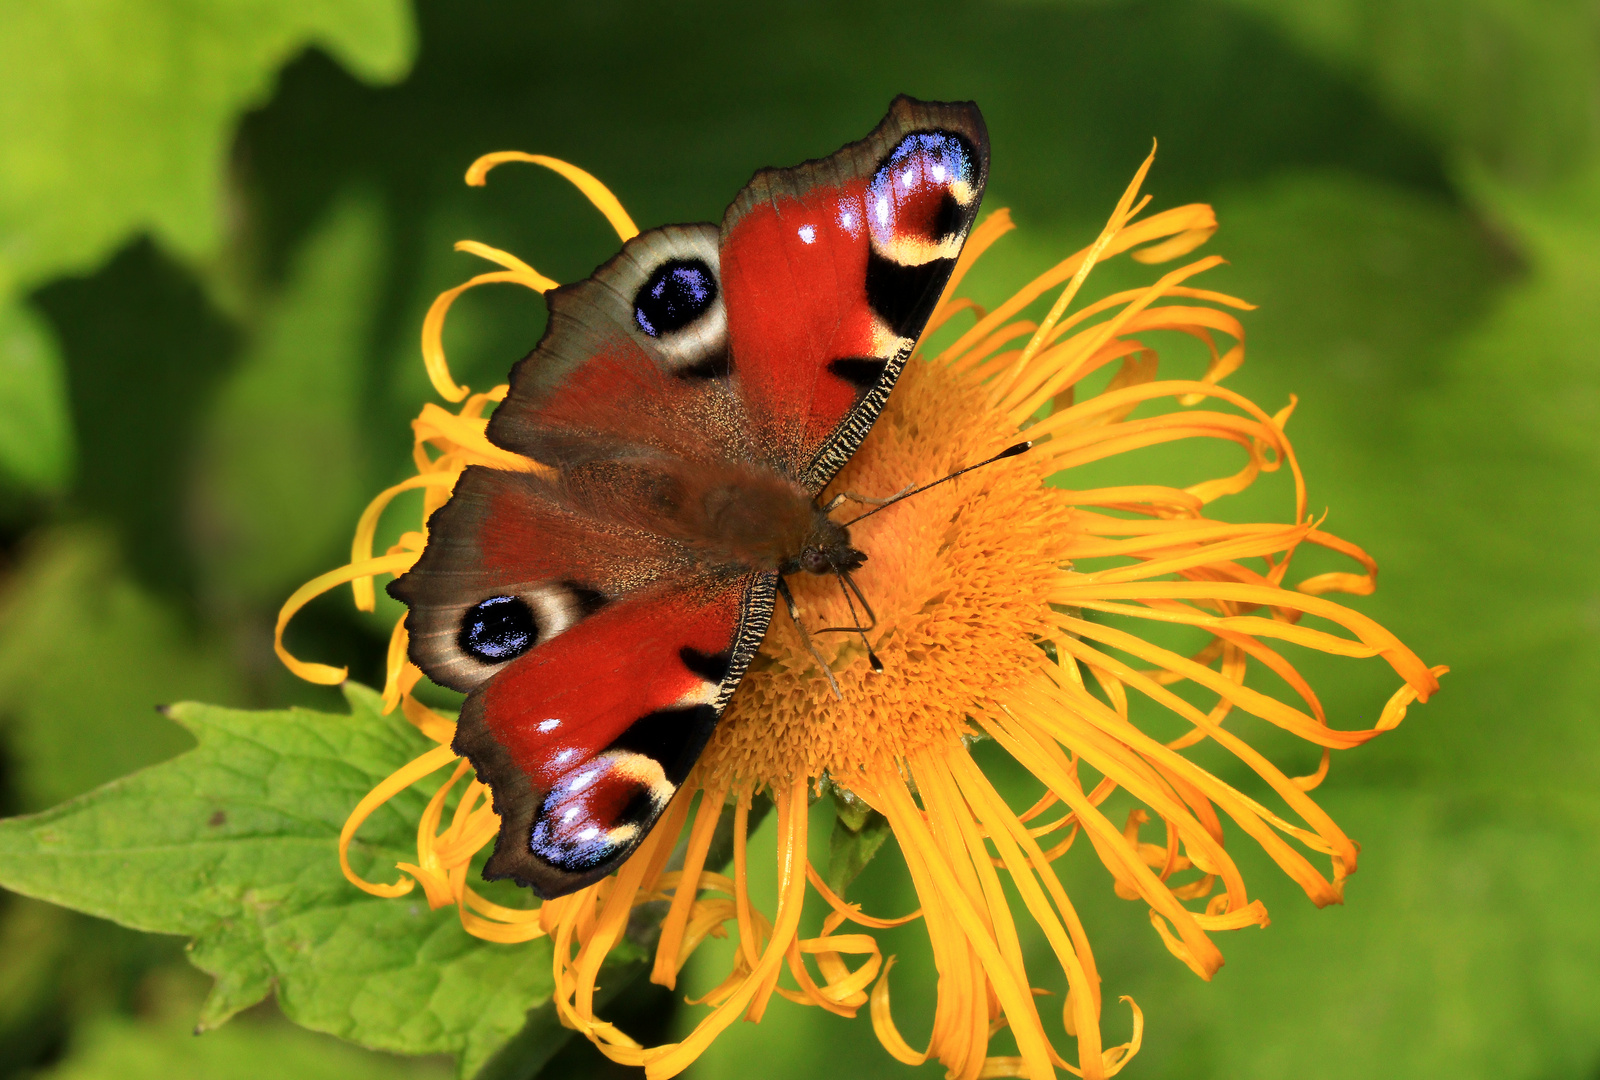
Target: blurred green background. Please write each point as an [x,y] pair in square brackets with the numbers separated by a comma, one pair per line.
[222,220]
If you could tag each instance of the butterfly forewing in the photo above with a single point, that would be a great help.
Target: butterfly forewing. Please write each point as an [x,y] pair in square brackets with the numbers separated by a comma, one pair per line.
[634,358]
[831,269]
[584,740]
[509,566]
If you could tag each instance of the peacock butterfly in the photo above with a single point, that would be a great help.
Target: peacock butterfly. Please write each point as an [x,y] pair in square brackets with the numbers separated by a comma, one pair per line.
[690,400]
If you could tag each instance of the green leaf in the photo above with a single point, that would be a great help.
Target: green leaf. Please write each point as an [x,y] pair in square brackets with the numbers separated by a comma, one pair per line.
[115,115]
[115,119]
[115,1048]
[858,832]
[1514,85]
[35,426]
[235,845]
[526,1053]
[1501,544]
[281,477]
[86,655]
[1468,948]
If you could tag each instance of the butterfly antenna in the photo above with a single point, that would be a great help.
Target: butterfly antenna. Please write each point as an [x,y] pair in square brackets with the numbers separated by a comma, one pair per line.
[1010,451]
[794,616]
[847,585]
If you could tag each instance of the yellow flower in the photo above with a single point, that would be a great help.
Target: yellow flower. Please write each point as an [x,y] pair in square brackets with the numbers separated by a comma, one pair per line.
[1008,606]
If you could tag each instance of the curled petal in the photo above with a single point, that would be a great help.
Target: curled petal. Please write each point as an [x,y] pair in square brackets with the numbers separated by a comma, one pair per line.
[593,190]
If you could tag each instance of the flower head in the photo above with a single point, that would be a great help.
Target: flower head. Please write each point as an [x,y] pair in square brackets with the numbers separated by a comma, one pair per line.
[1010,607]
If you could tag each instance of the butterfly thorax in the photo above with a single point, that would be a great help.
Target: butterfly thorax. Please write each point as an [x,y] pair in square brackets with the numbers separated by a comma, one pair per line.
[734,516]
[758,519]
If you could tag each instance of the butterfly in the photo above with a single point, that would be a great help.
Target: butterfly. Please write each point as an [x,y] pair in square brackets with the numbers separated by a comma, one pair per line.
[689,402]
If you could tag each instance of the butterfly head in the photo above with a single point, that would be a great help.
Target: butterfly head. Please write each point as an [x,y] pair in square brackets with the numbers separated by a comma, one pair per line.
[827,550]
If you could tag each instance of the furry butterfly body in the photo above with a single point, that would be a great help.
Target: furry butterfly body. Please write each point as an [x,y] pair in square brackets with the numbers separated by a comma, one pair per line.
[690,401]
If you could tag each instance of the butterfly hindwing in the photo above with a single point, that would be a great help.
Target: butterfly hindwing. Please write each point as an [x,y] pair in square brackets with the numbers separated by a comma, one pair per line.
[596,658]
[830,271]
[585,739]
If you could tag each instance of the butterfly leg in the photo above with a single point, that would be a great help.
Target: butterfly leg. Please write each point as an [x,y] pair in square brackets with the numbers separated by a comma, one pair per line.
[794,616]
[848,585]
[866,500]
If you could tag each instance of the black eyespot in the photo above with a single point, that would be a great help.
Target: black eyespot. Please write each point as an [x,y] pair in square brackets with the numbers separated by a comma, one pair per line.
[499,629]
[678,293]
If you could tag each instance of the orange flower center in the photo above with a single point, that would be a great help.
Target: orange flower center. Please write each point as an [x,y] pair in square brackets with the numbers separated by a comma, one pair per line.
[956,576]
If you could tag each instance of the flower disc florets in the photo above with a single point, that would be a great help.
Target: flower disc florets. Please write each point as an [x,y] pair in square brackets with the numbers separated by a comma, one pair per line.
[957,577]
